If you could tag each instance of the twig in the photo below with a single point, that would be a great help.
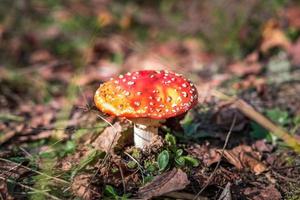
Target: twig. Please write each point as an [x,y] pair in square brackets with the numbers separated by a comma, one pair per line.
[250,112]
[218,164]
[123,179]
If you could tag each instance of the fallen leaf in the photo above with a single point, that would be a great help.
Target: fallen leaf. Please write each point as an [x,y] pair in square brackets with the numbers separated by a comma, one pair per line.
[295,52]
[267,193]
[262,146]
[245,157]
[205,153]
[167,182]
[273,36]
[293,16]
[82,187]
[113,137]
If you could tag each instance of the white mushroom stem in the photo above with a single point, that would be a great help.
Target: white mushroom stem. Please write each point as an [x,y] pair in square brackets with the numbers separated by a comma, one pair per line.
[144,131]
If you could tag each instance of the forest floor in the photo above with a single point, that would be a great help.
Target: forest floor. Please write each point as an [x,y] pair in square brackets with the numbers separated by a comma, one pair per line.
[55,144]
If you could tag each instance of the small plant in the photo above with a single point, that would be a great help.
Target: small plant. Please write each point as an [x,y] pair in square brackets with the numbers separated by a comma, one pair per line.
[173,155]
[111,193]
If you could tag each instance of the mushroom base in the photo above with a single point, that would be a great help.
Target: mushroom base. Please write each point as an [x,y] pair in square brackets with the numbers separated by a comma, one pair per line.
[144,131]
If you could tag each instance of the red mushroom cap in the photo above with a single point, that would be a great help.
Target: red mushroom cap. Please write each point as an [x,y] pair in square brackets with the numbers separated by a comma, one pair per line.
[146,94]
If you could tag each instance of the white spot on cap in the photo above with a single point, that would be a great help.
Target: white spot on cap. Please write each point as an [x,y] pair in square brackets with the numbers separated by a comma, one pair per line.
[184,94]
[139,93]
[116,82]
[169,99]
[137,103]
[133,77]
[128,74]
[151,103]
[184,85]
[127,93]
[151,76]
[130,83]
[121,76]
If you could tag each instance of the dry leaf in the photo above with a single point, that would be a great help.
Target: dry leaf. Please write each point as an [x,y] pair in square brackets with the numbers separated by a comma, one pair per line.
[273,36]
[295,52]
[81,187]
[113,137]
[267,193]
[170,181]
[244,157]
[293,16]
[204,153]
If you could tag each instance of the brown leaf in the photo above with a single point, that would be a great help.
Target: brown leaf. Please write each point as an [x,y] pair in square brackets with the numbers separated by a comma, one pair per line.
[293,16]
[244,157]
[295,52]
[114,137]
[82,187]
[267,193]
[167,182]
[204,153]
[262,146]
[273,36]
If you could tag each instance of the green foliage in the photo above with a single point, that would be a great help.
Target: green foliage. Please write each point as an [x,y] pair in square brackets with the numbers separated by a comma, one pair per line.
[174,156]
[163,160]
[111,193]
[276,115]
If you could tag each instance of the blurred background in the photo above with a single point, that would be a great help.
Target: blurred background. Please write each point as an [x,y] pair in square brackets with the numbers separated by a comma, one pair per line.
[53,41]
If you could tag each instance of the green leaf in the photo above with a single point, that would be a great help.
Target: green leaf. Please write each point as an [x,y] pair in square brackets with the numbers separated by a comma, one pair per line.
[180,161]
[179,152]
[163,160]
[191,161]
[131,164]
[148,179]
[278,116]
[170,139]
[258,132]
[110,191]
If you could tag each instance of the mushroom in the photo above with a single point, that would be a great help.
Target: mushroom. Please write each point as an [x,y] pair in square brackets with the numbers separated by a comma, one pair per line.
[146,98]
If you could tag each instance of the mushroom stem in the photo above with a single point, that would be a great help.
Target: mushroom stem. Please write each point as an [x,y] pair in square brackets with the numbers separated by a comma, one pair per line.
[144,131]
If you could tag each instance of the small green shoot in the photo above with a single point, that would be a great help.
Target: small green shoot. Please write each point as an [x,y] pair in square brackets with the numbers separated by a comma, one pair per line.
[163,160]
[111,193]
[173,155]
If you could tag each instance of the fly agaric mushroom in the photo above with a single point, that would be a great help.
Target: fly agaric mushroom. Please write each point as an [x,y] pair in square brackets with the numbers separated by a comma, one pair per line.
[146,98]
